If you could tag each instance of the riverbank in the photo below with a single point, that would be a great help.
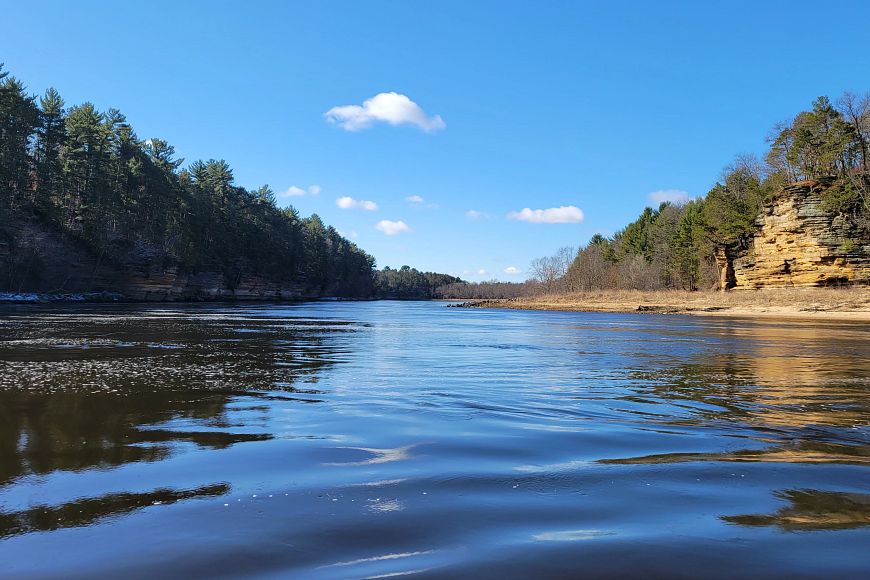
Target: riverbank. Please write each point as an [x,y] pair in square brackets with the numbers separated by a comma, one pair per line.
[852,304]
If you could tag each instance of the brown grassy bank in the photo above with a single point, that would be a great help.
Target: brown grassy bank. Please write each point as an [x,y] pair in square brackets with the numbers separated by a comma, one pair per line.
[847,304]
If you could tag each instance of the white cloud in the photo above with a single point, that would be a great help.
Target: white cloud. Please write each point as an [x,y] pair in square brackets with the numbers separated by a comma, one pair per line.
[482,272]
[296,191]
[391,108]
[677,196]
[415,199]
[351,235]
[293,191]
[566,214]
[392,228]
[473,214]
[511,270]
[351,203]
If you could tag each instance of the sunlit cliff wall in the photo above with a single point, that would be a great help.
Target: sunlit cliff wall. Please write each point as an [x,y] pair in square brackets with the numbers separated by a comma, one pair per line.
[797,242]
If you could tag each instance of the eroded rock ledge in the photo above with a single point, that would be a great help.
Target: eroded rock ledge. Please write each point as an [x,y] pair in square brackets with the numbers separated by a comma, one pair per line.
[797,243]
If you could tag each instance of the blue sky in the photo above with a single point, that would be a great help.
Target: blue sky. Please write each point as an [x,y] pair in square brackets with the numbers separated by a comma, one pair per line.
[539,105]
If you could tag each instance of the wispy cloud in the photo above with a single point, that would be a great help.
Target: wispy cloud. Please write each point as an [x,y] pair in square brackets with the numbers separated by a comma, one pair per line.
[677,196]
[391,108]
[566,214]
[473,214]
[392,228]
[415,199]
[296,191]
[511,270]
[351,203]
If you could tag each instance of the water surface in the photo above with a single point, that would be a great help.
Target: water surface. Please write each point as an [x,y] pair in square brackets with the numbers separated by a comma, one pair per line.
[354,440]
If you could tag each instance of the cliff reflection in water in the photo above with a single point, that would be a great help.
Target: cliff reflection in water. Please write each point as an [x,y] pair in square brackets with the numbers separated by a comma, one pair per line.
[812,510]
[83,392]
[781,380]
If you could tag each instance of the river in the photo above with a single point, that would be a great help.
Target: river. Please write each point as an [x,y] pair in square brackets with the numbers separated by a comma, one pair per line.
[380,439]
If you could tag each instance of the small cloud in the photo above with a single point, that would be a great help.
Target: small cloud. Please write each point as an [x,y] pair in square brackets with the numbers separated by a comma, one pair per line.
[392,228]
[351,235]
[293,191]
[676,196]
[296,191]
[391,108]
[351,203]
[566,214]
[482,272]
[415,199]
[473,214]
[511,270]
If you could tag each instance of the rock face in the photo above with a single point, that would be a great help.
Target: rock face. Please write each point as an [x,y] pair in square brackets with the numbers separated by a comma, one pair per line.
[37,259]
[796,242]
[171,284]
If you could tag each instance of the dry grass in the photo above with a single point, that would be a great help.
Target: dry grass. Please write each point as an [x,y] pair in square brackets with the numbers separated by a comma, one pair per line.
[821,303]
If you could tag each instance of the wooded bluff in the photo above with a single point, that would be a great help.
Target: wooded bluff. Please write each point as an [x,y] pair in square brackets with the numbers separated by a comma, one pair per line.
[86,205]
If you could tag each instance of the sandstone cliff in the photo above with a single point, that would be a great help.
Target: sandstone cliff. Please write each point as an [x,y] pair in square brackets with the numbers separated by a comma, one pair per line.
[797,242]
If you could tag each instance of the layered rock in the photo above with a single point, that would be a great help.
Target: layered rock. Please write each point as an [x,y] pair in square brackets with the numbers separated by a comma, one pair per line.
[35,259]
[172,284]
[797,242]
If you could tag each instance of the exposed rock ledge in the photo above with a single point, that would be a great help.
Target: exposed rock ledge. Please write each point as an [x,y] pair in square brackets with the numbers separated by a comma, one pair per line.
[39,264]
[796,243]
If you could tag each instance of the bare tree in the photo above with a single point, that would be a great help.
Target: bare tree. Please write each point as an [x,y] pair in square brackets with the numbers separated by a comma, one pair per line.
[550,270]
[856,110]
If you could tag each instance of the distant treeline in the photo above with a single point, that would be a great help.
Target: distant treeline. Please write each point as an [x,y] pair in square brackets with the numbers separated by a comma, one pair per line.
[409,283]
[673,246]
[88,174]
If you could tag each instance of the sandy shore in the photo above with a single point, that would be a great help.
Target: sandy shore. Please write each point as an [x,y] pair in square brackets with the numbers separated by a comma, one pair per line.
[851,304]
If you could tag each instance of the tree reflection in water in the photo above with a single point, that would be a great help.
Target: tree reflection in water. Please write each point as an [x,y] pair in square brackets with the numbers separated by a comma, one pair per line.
[86,391]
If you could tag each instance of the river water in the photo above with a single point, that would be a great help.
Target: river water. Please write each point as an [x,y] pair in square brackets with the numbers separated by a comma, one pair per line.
[380,439]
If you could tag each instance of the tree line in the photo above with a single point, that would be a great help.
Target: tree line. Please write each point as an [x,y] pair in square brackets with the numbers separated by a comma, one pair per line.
[672,246]
[410,283]
[88,174]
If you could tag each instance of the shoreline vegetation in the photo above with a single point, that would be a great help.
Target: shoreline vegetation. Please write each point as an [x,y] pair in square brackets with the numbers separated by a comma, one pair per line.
[90,211]
[838,304]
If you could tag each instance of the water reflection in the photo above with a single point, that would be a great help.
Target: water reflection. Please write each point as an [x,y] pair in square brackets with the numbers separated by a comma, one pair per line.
[811,509]
[42,433]
[83,391]
[804,451]
[770,377]
[84,512]
[376,439]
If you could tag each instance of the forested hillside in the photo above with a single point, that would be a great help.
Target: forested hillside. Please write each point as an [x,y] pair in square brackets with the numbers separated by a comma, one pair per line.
[673,246]
[410,283]
[79,182]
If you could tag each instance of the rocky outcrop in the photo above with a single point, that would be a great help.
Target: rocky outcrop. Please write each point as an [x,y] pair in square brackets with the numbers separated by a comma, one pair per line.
[38,261]
[797,242]
[172,284]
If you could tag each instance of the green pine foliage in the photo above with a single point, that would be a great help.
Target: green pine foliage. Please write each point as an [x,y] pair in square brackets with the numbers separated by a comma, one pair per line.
[87,173]
[408,283]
